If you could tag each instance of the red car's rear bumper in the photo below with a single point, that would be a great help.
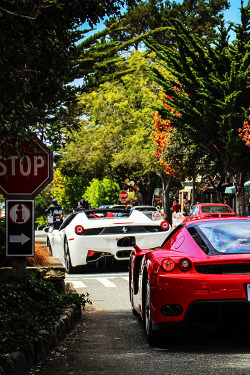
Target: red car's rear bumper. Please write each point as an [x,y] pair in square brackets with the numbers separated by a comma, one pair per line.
[181,294]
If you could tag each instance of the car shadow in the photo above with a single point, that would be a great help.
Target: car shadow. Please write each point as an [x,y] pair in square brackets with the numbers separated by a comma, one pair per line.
[115,266]
[205,338]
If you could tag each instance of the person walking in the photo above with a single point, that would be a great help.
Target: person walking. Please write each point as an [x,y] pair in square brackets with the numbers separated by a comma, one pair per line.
[176,206]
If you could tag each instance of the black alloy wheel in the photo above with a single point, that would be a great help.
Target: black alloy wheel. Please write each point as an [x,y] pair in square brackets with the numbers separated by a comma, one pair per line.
[48,244]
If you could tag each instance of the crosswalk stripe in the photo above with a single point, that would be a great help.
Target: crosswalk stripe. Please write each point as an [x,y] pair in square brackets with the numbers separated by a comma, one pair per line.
[103,280]
[78,284]
[106,282]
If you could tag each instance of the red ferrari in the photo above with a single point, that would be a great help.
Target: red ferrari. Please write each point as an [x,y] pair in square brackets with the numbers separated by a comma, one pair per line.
[201,270]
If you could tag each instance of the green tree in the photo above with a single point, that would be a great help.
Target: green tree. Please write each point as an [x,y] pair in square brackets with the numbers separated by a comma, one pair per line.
[115,136]
[38,52]
[201,16]
[101,192]
[42,202]
[97,56]
[68,190]
[212,94]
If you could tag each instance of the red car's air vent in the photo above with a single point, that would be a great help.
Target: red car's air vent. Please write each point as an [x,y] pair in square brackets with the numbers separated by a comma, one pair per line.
[226,269]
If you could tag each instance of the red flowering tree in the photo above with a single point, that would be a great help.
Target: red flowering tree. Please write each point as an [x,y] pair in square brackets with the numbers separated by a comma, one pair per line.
[179,157]
[244,132]
[165,137]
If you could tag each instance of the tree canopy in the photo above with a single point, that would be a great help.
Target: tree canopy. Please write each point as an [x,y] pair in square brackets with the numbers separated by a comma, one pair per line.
[115,135]
[43,50]
[107,143]
[100,192]
[201,16]
[210,92]
[38,45]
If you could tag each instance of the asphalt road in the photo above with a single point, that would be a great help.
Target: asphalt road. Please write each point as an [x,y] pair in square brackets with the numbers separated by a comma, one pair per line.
[110,340]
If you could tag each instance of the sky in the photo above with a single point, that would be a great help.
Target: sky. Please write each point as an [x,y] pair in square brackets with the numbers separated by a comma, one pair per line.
[233,14]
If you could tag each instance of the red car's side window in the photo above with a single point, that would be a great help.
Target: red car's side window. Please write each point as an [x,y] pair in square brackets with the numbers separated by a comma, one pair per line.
[170,240]
[197,238]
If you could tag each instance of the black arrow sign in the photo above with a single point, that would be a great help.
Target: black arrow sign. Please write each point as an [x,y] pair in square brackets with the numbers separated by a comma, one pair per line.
[19,227]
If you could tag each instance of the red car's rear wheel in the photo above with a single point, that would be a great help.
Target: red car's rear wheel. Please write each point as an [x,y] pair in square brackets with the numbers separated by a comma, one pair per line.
[131,291]
[150,334]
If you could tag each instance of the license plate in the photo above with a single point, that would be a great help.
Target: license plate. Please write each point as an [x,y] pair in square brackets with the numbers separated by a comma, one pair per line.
[248,292]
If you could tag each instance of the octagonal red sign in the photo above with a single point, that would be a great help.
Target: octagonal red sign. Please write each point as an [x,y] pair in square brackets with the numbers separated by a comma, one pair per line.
[26,171]
[123,195]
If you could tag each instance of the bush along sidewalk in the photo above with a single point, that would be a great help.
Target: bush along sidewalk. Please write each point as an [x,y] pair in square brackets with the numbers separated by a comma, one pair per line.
[34,318]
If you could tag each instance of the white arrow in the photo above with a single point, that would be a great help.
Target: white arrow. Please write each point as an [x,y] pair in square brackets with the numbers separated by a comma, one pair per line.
[22,238]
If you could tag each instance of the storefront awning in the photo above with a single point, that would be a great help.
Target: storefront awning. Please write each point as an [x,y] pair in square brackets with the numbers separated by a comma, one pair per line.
[231,189]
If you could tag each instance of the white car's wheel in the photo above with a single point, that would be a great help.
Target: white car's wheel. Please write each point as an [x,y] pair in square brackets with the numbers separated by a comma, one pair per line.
[48,244]
[150,334]
[67,260]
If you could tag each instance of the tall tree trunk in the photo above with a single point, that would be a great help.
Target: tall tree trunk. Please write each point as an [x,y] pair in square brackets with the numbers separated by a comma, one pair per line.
[239,194]
[147,192]
[193,199]
[166,183]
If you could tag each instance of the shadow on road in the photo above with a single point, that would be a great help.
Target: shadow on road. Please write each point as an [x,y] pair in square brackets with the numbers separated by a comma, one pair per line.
[116,266]
[113,343]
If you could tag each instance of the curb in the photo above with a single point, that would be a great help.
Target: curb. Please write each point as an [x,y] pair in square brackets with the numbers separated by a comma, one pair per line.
[20,363]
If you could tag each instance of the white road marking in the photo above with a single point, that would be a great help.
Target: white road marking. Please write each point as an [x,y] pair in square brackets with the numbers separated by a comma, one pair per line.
[78,284]
[106,282]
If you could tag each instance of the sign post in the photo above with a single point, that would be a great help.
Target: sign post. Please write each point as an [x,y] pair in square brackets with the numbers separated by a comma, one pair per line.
[22,176]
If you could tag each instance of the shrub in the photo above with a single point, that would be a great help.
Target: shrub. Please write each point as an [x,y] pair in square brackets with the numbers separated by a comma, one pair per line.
[27,307]
[41,256]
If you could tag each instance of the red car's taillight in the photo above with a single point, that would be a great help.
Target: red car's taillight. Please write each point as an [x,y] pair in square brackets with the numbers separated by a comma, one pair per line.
[79,229]
[168,264]
[165,225]
[185,264]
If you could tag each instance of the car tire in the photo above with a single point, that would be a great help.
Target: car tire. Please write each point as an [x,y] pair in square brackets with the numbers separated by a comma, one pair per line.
[67,260]
[48,244]
[150,334]
[131,291]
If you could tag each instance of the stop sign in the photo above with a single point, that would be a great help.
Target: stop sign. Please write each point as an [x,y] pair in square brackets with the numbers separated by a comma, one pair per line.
[26,171]
[123,195]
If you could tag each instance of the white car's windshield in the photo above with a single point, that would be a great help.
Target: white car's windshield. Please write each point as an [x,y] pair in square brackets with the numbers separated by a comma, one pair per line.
[215,209]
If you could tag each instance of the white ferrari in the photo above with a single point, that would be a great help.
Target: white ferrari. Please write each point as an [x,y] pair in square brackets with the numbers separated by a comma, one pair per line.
[90,236]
